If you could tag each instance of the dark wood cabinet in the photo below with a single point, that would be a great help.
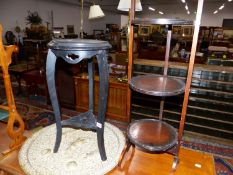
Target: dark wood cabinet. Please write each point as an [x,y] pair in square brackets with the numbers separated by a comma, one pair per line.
[117,97]
[65,84]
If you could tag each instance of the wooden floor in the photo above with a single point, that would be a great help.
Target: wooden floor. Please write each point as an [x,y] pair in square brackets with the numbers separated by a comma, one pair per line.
[135,162]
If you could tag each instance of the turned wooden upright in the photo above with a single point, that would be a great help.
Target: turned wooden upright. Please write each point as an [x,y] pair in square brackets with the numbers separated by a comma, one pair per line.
[16,134]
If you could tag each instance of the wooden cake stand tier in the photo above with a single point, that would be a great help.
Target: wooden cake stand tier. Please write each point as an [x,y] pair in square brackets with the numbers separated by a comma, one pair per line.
[153,134]
[157,85]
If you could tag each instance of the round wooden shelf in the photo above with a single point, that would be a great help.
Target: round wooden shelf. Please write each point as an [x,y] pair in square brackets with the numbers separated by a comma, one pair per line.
[157,85]
[152,134]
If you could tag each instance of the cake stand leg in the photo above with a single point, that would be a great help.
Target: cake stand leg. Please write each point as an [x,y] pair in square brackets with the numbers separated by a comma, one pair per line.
[175,163]
[126,149]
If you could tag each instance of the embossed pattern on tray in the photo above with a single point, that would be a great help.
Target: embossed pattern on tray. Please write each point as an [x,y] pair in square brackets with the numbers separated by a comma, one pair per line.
[78,152]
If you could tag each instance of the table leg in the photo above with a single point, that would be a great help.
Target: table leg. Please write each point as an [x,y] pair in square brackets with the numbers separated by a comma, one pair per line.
[18,77]
[104,77]
[50,74]
[91,84]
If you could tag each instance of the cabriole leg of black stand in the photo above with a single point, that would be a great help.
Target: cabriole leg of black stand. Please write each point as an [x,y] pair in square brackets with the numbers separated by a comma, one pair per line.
[104,76]
[91,84]
[100,140]
[50,74]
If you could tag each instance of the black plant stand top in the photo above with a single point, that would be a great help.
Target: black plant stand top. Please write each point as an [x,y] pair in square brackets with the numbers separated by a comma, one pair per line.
[73,51]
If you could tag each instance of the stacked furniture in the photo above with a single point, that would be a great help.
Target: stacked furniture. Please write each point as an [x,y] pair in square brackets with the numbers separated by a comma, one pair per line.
[220,55]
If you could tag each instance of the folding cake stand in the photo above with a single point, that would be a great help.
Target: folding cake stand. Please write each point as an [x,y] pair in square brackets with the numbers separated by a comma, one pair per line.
[155,135]
[152,134]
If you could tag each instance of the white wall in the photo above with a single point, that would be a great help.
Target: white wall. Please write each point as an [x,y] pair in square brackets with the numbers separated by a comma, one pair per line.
[101,23]
[124,20]
[215,20]
[15,11]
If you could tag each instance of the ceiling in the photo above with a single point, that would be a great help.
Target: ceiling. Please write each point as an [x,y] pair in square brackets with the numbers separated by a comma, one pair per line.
[166,6]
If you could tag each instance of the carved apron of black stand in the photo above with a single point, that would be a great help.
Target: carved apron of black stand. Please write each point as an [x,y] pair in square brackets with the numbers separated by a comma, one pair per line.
[73,52]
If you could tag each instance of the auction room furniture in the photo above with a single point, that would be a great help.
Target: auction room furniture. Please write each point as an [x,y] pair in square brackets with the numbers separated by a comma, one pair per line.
[35,50]
[73,51]
[35,82]
[15,134]
[155,135]
[18,71]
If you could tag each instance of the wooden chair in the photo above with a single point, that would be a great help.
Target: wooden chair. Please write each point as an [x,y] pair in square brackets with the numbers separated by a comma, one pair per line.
[15,134]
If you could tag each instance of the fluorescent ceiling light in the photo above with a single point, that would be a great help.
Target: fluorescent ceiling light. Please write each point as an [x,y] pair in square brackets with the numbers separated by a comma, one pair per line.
[151,8]
[188,12]
[183,1]
[216,11]
[220,8]
[186,7]
[229,0]
[161,13]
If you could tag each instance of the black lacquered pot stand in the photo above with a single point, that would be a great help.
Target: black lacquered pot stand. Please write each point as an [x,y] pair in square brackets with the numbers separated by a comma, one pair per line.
[73,51]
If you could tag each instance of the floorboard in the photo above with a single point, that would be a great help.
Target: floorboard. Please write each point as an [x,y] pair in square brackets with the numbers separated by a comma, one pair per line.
[137,162]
